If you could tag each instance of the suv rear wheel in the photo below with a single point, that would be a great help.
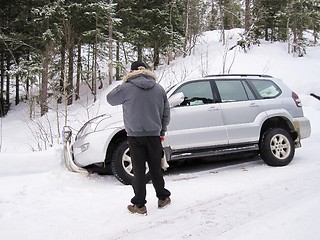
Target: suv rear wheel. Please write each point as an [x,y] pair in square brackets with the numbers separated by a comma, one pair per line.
[277,147]
[121,164]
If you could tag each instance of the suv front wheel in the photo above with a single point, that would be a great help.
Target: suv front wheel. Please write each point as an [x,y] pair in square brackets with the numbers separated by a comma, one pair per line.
[277,147]
[121,164]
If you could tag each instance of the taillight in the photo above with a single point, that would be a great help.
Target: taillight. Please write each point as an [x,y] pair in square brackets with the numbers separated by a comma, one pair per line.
[296,99]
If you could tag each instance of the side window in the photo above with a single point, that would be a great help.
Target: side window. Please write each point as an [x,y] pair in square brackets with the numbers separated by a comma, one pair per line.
[266,88]
[234,90]
[196,93]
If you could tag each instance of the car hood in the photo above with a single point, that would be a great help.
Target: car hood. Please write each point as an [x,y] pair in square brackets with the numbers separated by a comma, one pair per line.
[101,123]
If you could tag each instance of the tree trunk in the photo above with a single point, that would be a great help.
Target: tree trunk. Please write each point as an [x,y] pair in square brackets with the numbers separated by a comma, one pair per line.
[221,10]
[62,69]
[44,81]
[94,72]
[79,65]
[118,61]
[8,81]
[2,75]
[156,56]
[294,40]
[2,70]
[294,33]
[266,35]
[110,47]
[70,45]
[170,46]
[186,29]
[27,82]
[247,18]
[17,100]
[88,66]
[288,35]
[139,53]
[300,44]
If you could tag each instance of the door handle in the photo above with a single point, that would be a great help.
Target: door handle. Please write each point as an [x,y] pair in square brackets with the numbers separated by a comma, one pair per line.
[254,105]
[213,108]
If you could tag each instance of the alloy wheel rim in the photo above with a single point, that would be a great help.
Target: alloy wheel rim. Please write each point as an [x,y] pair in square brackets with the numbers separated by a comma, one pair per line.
[127,163]
[280,146]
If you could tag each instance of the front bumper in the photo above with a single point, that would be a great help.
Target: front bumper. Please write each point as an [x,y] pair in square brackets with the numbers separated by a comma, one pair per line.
[67,152]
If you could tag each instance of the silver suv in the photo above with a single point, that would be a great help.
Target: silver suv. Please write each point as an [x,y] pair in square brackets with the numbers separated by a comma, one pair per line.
[210,116]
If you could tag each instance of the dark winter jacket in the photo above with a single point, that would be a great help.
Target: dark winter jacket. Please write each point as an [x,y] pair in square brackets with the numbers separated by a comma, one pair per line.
[145,105]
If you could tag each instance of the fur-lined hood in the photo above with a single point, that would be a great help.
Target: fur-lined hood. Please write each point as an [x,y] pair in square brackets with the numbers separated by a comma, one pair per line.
[146,72]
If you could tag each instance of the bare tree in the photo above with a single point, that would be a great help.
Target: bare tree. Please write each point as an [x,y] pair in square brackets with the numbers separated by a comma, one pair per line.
[193,24]
[221,14]
[186,29]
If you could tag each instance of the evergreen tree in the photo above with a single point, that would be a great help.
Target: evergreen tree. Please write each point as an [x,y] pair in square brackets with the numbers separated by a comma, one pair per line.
[42,41]
[15,44]
[314,24]
[151,24]
[268,19]
[299,18]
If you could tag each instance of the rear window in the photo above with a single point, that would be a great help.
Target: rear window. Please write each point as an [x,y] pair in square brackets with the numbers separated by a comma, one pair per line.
[266,88]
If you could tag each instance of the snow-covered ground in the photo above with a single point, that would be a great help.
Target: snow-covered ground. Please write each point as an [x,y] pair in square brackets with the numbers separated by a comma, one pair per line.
[40,199]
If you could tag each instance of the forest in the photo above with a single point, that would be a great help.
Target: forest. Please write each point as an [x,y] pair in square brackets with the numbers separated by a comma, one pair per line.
[48,49]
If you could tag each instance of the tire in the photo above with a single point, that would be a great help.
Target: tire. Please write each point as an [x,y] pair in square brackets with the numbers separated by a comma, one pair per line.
[121,164]
[277,147]
[108,169]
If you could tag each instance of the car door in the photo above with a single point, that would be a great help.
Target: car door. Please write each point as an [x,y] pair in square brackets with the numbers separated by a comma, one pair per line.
[197,121]
[240,110]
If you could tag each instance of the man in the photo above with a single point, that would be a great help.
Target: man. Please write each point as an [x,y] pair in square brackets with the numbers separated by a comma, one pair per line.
[146,114]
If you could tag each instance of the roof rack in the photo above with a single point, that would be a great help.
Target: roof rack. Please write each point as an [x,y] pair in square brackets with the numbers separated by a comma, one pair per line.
[239,75]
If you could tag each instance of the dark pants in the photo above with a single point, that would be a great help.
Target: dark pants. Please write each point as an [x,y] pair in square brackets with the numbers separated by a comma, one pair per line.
[142,150]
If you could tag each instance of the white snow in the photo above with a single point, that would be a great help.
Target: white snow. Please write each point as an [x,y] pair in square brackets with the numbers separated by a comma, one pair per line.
[40,199]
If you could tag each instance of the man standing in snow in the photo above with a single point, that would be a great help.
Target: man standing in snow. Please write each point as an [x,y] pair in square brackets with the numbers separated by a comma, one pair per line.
[146,114]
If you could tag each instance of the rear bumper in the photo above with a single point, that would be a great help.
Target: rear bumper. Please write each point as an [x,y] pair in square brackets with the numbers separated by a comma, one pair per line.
[303,127]
[67,152]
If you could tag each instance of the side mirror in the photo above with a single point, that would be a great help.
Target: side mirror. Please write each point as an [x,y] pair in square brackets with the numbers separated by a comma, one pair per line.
[176,99]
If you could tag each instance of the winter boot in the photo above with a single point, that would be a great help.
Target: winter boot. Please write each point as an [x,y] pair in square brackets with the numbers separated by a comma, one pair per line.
[164,203]
[135,209]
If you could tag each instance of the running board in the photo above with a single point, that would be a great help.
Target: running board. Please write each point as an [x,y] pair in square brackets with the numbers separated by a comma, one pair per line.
[197,153]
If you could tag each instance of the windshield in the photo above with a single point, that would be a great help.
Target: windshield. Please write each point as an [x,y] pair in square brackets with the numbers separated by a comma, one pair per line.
[168,90]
